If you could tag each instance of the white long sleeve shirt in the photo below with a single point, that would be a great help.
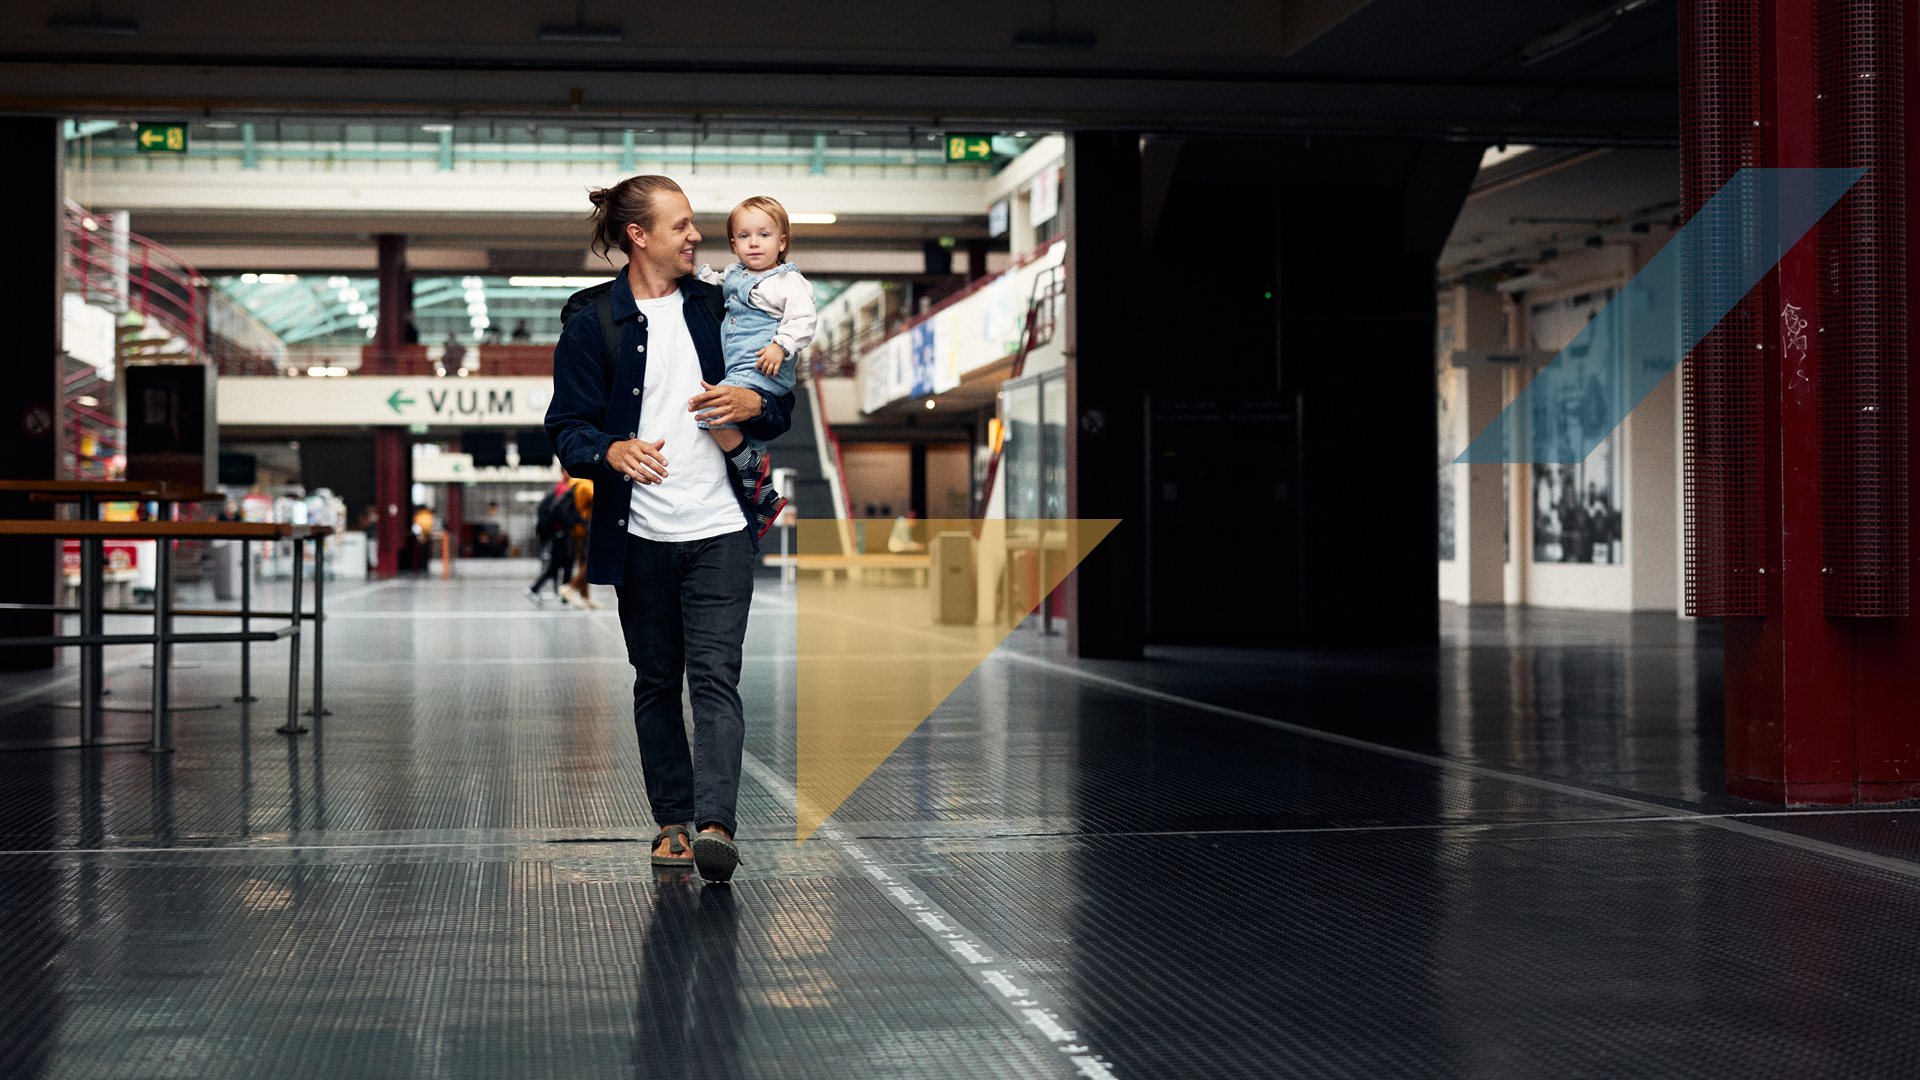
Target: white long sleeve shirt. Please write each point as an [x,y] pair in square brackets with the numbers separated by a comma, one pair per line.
[787,297]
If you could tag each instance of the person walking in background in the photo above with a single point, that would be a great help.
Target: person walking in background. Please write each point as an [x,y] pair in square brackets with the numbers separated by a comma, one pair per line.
[633,377]
[554,522]
[577,591]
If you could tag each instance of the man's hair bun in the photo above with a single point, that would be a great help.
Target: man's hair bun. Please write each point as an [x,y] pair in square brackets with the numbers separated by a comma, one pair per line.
[631,201]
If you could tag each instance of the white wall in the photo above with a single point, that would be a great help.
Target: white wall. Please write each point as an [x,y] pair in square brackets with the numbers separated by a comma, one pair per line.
[1647,485]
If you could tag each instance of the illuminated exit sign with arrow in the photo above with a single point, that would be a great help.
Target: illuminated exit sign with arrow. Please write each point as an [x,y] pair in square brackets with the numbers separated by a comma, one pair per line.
[162,138]
[969,148]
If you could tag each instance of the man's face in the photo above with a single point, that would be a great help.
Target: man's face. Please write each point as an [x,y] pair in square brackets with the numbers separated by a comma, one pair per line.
[669,246]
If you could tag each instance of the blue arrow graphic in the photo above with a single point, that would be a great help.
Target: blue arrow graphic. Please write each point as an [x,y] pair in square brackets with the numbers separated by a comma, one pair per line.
[1682,293]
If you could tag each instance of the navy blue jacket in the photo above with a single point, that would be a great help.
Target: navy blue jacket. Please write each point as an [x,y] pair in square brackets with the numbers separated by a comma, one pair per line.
[584,419]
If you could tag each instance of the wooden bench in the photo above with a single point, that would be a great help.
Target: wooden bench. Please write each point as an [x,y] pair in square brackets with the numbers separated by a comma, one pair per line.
[834,567]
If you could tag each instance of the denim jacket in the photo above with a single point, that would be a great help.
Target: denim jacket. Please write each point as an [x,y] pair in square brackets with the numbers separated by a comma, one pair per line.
[583,419]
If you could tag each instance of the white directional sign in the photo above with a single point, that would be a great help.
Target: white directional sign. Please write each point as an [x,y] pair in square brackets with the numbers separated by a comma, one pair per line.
[383,400]
[459,469]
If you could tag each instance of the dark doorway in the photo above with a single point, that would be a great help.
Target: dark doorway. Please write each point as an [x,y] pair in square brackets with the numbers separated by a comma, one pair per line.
[1223,521]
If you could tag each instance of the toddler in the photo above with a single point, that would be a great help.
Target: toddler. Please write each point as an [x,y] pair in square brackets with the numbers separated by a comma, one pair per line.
[769,320]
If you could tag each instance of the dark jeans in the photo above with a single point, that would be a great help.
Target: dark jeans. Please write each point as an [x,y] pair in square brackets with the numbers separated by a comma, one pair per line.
[684,610]
[559,568]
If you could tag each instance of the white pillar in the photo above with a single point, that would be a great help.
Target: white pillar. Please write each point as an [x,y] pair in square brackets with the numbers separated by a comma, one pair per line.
[1479,514]
[1652,475]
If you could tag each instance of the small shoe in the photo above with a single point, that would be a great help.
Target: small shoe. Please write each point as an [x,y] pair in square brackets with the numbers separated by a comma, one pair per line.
[754,466]
[715,855]
[767,512]
[569,596]
[535,597]
[679,853]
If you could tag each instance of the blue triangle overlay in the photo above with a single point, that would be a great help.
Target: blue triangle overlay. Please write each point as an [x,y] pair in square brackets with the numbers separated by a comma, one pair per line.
[1682,293]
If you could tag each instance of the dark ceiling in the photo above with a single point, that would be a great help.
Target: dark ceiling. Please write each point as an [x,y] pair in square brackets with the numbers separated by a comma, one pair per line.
[1538,70]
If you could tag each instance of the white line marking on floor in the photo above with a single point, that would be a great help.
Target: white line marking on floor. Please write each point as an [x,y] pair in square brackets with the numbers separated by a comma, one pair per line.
[1472,826]
[1727,823]
[515,614]
[1034,1007]
[364,590]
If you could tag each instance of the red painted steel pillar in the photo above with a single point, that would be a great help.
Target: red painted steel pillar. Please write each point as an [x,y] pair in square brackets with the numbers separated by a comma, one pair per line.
[392,474]
[453,516]
[1797,406]
[392,460]
[1887,650]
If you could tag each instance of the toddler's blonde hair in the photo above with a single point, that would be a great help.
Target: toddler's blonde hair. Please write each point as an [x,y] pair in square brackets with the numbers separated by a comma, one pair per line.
[772,208]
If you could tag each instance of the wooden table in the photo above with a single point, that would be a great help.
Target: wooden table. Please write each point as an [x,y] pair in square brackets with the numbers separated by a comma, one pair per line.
[89,494]
[163,638]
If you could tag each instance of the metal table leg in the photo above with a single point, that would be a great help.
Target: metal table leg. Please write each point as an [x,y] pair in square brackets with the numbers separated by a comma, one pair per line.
[246,623]
[293,659]
[92,657]
[319,626]
[162,722]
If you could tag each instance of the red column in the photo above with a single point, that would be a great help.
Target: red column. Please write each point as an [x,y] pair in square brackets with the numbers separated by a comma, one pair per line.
[453,515]
[1819,673]
[392,476]
[392,460]
[1887,650]
[396,300]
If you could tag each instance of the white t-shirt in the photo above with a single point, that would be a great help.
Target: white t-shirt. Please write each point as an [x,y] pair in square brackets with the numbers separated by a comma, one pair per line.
[696,500]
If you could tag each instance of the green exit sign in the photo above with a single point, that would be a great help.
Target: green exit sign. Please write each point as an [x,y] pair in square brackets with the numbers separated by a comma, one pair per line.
[162,138]
[969,148]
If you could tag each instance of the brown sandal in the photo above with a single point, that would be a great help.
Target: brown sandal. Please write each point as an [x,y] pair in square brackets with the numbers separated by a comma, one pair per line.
[677,844]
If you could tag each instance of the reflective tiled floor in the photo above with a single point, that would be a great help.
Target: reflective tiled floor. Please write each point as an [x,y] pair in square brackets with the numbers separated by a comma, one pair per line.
[1509,857]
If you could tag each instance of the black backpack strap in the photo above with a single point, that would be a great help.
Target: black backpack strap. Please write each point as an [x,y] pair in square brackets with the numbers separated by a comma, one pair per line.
[609,338]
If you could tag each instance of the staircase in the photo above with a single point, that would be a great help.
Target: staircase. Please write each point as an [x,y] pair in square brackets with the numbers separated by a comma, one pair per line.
[800,450]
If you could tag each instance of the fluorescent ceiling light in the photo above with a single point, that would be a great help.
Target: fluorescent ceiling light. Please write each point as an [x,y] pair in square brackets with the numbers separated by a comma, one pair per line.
[813,219]
[554,282]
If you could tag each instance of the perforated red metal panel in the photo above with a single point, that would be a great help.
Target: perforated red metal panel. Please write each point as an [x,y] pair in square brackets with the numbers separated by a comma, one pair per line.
[1723,402]
[1863,331]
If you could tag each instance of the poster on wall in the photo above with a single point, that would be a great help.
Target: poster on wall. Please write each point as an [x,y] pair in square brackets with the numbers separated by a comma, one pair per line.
[921,381]
[1000,321]
[899,363]
[946,351]
[1445,386]
[874,379]
[1577,508]
[997,219]
[1046,195]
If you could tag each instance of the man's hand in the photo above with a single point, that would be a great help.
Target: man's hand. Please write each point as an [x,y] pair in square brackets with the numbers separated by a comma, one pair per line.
[639,459]
[771,358]
[725,404]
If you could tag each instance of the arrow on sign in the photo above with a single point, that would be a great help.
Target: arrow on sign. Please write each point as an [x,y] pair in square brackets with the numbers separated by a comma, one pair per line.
[151,136]
[983,148]
[394,400]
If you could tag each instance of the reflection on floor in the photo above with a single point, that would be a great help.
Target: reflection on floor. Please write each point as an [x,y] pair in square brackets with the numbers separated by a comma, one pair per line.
[1506,858]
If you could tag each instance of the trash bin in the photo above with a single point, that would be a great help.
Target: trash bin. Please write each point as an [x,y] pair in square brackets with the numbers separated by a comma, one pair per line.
[951,578]
[226,569]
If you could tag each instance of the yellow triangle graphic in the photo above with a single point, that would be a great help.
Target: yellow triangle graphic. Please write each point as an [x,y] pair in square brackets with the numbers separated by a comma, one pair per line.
[885,634]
